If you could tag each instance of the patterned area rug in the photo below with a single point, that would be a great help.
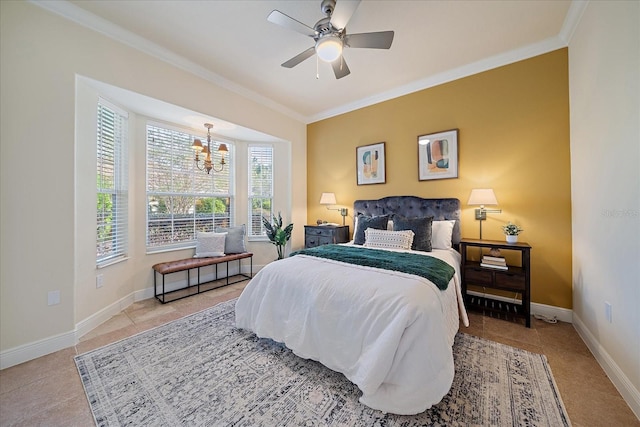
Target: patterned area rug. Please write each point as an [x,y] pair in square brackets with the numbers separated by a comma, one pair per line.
[202,371]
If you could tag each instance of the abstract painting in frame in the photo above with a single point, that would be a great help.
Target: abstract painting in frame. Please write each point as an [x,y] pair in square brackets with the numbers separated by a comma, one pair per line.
[438,155]
[370,164]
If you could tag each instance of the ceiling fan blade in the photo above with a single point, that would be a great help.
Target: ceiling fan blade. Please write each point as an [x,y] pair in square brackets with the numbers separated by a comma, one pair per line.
[279,18]
[299,58]
[342,13]
[340,68]
[380,40]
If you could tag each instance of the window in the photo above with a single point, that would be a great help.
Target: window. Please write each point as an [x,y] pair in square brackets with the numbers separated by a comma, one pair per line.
[112,210]
[260,187]
[181,199]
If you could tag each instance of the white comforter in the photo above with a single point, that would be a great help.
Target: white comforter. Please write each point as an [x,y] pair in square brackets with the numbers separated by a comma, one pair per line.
[389,333]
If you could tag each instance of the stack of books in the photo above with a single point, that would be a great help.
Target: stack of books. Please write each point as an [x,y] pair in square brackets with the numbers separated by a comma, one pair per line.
[494,262]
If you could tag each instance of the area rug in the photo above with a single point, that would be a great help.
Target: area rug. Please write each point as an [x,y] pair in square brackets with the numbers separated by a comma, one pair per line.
[202,371]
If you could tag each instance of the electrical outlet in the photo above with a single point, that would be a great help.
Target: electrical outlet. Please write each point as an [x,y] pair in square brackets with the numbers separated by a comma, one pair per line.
[607,311]
[99,280]
[53,297]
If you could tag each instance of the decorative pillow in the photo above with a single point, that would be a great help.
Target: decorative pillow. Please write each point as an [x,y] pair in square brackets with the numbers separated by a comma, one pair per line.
[364,222]
[388,239]
[389,223]
[442,233]
[210,244]
[420,226]
[234,243]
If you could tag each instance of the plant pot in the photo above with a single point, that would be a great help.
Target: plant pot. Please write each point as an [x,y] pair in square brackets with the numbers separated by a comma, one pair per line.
[512,239]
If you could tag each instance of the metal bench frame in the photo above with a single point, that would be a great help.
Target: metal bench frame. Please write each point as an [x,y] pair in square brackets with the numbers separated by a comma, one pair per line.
[161,296]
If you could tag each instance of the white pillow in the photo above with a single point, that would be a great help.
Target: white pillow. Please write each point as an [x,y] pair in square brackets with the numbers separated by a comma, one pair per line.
[210,244]
[388,239]
[441,234]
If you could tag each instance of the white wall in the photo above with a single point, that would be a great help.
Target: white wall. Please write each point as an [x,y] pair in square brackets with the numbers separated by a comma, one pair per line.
[43,213]
[604,76]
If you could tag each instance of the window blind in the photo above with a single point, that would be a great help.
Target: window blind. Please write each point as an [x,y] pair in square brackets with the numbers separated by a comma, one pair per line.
[181,199]
[260,187]
[112,183]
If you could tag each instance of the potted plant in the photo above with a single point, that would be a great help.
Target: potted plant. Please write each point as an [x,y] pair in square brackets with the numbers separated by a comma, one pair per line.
[276,234]
[511,230]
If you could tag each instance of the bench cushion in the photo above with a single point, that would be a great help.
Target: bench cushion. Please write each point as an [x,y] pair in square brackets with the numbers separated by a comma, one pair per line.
[189,263]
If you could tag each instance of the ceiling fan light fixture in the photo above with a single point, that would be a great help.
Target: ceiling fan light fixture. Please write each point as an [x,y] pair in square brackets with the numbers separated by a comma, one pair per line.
[329,48]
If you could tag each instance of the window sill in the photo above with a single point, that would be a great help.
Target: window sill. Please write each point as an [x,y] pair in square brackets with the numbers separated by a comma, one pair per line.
[258,239]
[111,262]
[164,250]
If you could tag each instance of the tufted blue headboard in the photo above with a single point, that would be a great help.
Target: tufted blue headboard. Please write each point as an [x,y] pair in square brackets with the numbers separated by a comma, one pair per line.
[413,207]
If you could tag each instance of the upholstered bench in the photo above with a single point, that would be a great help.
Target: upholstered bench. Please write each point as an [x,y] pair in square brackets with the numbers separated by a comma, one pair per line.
[189,264]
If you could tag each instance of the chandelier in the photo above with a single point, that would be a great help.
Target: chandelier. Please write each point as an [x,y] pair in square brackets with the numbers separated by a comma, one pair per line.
[206,150]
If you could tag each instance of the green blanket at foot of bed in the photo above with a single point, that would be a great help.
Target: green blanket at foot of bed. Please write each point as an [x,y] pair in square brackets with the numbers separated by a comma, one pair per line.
[431,268]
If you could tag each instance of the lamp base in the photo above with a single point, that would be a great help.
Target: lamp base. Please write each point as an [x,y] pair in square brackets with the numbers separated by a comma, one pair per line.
[481,214]
[344,212]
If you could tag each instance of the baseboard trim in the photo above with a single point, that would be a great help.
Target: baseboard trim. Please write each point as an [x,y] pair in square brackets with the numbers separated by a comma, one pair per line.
[550,311]
[24,353]
[629,393]
[97,319]
[143,294]
[30,351]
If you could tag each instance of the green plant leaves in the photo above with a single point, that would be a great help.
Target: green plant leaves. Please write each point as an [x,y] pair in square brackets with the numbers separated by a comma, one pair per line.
[276,234]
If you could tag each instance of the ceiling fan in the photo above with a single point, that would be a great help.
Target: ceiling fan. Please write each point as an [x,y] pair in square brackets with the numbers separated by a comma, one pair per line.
[330,35]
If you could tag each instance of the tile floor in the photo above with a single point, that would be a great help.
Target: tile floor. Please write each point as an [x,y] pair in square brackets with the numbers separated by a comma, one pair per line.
[47,391]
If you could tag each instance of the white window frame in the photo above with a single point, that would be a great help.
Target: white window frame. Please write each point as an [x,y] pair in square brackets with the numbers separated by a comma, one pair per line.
[195,175]
[259,192]
[112,226]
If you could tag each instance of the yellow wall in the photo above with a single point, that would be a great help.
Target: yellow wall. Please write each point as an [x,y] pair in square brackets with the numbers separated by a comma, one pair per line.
[513,125]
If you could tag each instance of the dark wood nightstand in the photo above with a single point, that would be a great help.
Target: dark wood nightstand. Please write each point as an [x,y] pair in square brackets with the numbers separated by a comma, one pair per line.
[317,235]
[514,279]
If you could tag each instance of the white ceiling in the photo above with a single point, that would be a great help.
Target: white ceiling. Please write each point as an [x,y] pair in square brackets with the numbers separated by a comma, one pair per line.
[232,44]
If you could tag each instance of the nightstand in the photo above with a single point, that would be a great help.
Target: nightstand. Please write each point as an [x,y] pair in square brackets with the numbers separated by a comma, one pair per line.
[513,278]
[317,235]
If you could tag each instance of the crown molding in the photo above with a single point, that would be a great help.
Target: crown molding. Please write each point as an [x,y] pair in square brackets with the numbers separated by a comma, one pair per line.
[93,22]
[526,52]
[572,19]
[86,19]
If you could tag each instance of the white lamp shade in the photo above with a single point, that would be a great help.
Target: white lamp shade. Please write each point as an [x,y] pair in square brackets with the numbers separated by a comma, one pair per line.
[329,48]
[482,197]
[328,199]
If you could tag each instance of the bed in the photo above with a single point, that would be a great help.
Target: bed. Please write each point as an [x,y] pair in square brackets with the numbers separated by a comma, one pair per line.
[390,332]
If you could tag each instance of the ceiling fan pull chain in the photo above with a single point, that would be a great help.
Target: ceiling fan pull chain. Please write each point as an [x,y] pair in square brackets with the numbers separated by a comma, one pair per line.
[317,68]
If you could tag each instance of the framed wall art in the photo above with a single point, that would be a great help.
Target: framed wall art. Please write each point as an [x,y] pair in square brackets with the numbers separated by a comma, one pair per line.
[370,164]
[438,155]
